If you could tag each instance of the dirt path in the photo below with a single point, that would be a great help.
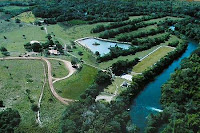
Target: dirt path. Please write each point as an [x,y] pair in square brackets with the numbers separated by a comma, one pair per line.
[68,66]
[41,95]
[50,78]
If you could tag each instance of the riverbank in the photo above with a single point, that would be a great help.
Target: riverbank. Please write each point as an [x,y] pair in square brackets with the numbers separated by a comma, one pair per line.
[141,108]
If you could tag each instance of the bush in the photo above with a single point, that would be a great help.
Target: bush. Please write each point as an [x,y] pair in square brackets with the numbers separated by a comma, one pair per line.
[80,53]
[17,20]
[34,107]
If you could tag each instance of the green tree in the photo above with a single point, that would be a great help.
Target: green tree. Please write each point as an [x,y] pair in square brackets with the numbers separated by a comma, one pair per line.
[9,120]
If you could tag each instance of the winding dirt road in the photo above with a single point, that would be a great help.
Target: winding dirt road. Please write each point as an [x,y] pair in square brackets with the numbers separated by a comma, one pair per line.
[68,66]
[50,78]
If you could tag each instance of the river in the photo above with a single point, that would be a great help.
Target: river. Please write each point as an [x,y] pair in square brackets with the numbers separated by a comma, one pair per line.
[148,101]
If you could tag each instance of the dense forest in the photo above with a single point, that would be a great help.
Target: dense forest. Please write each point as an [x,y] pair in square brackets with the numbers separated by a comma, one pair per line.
[110,10]
[181,100]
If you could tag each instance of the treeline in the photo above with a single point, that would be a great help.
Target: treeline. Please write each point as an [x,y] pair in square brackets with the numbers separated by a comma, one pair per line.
[87,115]
[15,12]
[130,37]
[121,66]
[189,27]
[17,3]
[100,28]
[180,97]
[128,28]
[145,44]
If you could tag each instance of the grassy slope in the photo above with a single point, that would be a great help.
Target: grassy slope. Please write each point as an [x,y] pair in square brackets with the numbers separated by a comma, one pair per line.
[151,59]
[13,85]
[59,70]
[26,17]
[74,86]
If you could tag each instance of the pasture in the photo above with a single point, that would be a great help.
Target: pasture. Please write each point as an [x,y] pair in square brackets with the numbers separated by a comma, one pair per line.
[151,59]
[58,69]
[75,85]
[21,83]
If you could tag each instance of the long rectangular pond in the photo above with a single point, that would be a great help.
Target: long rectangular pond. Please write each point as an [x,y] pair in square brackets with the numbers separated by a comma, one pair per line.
[103,45]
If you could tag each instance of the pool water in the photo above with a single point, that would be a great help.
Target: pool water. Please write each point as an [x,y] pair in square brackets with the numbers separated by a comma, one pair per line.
[104,46]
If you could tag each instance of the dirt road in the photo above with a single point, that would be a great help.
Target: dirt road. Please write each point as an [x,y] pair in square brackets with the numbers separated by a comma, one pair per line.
[50,78]
[68,66]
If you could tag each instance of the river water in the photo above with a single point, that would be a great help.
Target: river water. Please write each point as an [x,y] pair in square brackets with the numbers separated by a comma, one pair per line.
[148,101]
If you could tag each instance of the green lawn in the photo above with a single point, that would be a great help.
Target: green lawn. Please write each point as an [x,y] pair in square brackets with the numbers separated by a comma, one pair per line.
[151,59]
[59,70]
[18,76]
[75,85]
[77,22]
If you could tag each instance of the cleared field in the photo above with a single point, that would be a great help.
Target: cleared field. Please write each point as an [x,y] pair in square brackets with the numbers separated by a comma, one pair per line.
[26,17]
[15,40]
[163,19]
[75,85]
[141,54]
[21,83]
[74,32]
[58,69]
[77,22]
[151,59]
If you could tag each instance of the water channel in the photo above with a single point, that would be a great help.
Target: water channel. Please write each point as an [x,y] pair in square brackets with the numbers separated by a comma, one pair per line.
[148,101]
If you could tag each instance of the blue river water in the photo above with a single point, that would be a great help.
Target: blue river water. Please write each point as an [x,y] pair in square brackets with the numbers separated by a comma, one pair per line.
[148,101]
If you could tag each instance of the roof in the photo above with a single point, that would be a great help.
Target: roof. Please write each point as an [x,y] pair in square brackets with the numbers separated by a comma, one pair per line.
[55,52]
[34,41]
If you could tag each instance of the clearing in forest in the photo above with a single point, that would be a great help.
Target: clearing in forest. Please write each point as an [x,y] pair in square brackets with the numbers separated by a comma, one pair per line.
[151,59]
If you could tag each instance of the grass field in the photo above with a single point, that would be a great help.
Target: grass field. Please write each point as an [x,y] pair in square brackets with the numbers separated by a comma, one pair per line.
[59,70]
[151,59]
[141,54]
[162,19]
[13,8]
[74,86]
[15,40]
[18,76]
[77,22]
[135,17]
[27,17]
